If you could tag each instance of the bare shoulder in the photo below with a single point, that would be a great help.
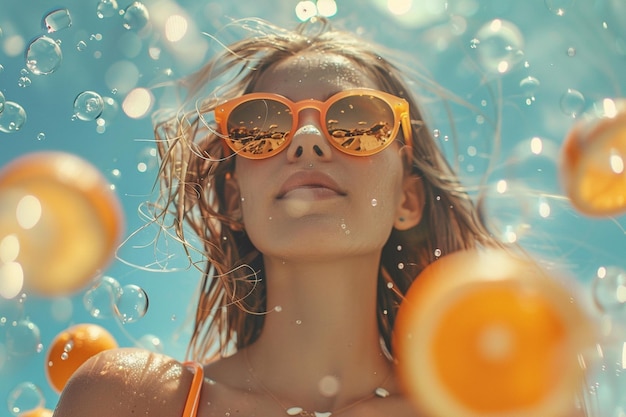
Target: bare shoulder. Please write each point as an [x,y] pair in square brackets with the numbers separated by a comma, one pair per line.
[126,382]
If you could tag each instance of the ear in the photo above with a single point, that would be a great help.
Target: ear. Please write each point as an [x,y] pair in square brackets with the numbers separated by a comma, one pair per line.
[232,199]
[411,207]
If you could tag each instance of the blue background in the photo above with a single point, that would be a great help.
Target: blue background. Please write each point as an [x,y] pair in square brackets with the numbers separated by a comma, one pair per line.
[584,49]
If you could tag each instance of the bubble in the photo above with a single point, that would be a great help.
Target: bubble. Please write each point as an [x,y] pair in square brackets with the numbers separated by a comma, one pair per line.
[2,101]
[41,136]
[374,202]
[25,397]
[529,86]
[43,56]
[609,289]
[81,46]
[88,105]
[571,52]
[572,102]
[57,20]
[24,82]
[151,342]
[558,7]
[106,8]
[12,117]
[132,304]
[101,299]
[23,338]
[11,311]
[136,16]
[437,252]
[499,45]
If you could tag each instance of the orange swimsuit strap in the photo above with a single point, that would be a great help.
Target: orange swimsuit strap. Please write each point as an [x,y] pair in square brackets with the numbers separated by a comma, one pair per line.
[193,398]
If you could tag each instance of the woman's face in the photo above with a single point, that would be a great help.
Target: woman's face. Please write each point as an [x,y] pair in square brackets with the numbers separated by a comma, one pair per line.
[312,201]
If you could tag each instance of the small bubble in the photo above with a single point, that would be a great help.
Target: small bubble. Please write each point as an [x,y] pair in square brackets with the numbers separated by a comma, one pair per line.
[399,248]
[88,105]
[374,202]
[41,136]
[100,300]
[571,51]
[572,102]
[390,285]
[499,46]
[81,46]
[529,86]
[24,82]
[558,7]
[43,56]
[2,101]
[437,252]
[438,198]
[609,289]
[400,265]
[106,8]
[151,343]
[136,16]
[132,304]
[12,117]
[25,397]
[436,133]
[298,322]
[64,356]
[57,20]
[23,338]
[278,309]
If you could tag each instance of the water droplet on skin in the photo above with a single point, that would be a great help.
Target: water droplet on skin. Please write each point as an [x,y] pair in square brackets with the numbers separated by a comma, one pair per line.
[374,202]
[278,309]
[298,322]
[43,56]
[390,285]
[399,248]
[400,265]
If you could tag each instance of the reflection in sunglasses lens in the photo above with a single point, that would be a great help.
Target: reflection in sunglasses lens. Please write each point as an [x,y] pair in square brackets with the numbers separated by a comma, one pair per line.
[259,126]
[360,123]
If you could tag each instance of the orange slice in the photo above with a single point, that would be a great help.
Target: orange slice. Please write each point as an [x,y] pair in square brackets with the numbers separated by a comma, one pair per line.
[485,333]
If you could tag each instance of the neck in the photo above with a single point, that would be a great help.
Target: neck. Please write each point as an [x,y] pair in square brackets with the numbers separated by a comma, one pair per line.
[322,333]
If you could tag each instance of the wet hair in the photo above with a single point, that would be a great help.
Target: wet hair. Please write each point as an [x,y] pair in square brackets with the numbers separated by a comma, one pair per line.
[195,169]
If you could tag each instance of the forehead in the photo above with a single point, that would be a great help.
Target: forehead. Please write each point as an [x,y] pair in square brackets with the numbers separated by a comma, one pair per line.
[312,75]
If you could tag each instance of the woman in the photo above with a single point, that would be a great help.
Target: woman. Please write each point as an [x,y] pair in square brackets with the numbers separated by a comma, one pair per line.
[318,195]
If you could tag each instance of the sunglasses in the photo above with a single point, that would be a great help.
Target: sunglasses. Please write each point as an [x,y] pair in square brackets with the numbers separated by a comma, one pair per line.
[359,122]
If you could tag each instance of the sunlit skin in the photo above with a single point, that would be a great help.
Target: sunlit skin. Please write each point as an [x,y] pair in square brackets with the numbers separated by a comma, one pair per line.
[490,334]
[321,249]
[63,218]
[71,348]
[592,163]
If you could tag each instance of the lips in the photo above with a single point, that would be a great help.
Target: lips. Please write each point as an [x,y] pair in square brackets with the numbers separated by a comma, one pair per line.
[315,180]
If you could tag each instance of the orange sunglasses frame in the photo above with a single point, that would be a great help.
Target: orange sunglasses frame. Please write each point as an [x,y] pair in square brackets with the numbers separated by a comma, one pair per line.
[399,106]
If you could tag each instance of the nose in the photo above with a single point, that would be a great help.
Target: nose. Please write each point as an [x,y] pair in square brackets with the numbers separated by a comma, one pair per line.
[308,142]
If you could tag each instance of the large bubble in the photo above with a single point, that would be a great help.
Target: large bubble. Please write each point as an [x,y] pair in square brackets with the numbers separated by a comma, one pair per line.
[43,56]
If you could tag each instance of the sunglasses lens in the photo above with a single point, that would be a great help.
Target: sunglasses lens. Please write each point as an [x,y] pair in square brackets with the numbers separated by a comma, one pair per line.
[360,124]
[259,127]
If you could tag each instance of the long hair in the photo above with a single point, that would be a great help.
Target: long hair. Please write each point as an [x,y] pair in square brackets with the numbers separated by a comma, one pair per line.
[232,298]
